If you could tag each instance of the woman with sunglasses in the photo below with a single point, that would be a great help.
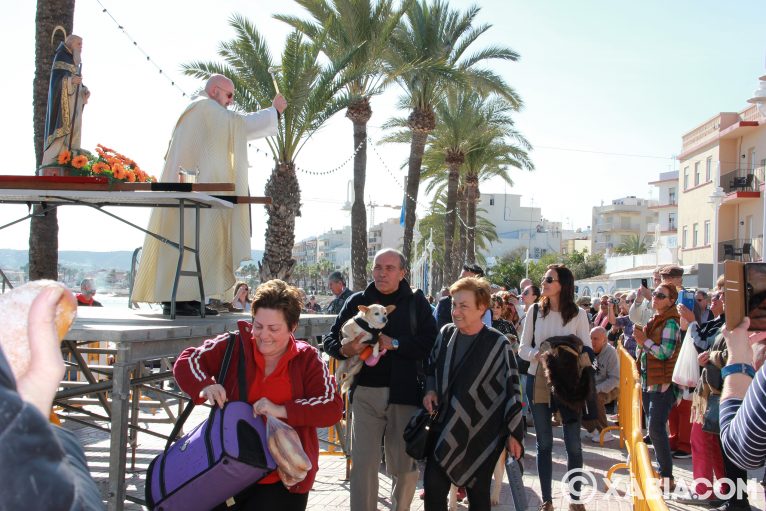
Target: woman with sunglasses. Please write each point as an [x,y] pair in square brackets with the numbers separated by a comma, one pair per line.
[556,314]
[657,351]
[241,301]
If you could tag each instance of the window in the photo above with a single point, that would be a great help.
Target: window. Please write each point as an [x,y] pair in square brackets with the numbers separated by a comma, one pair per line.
[672,195]
[683,237]
[696,173]
[686,178]
[707,232]
[671,221]
[708,168]
[492,201]
[695,234]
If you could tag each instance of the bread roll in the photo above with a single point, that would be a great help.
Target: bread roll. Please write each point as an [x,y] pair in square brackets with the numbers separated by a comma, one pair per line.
[15,305]
[290,445]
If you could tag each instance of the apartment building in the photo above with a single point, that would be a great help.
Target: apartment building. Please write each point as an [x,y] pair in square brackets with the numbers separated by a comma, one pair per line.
[726,151]
[305,251]
[667,210]
[518,227]
[388,234]
[614,224]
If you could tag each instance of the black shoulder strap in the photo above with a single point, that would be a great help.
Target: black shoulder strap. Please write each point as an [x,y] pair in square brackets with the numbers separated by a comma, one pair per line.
[413,316]
[221,376]
[534,322]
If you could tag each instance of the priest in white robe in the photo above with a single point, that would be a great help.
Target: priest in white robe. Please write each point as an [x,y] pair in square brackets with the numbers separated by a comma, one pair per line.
[213,140]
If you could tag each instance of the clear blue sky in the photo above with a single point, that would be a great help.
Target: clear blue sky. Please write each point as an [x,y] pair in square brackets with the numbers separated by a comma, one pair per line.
[611,77]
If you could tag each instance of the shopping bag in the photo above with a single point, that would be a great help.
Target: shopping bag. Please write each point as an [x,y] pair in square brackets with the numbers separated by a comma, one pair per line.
[686,373]
[285,446]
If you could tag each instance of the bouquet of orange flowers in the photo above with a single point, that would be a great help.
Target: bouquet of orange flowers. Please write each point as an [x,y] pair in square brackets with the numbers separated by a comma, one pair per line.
[106,163]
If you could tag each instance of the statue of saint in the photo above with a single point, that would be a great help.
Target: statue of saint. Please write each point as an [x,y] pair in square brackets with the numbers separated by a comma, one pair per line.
[66,98]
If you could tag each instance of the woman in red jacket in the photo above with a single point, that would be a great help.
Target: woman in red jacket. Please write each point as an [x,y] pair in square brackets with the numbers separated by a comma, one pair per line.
[285,378]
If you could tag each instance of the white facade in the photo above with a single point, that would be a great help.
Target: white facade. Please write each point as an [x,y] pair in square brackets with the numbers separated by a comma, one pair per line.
[667,210]
[388,234]
[518,227]
[614,224]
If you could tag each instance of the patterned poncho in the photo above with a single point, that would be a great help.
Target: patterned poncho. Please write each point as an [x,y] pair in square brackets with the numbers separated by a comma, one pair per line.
[483,403]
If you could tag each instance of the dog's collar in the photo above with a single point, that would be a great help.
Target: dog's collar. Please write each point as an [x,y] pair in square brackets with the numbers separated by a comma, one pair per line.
[364,325]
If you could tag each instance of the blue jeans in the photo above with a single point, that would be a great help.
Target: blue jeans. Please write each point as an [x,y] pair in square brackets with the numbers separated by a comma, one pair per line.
[657,407]
[571,421]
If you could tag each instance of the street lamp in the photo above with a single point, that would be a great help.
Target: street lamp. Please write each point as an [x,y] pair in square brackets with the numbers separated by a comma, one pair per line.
[759,100]
[430,248]
[716,199]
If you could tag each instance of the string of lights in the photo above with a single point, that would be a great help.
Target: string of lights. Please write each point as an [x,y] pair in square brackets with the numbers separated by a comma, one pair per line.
[135,44]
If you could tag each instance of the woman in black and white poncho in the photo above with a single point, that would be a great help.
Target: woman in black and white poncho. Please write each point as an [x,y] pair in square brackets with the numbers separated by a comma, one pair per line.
[474,384]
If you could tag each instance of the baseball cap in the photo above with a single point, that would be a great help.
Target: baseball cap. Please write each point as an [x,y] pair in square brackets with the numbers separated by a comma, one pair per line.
[474,268]
[671,270]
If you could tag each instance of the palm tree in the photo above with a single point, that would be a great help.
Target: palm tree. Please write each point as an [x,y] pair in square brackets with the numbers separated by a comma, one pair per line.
[313,93]
[634,245]
[433,39]
[44,228]
[363,26]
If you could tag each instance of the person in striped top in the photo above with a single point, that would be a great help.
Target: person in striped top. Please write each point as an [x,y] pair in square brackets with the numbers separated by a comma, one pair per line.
[743,405]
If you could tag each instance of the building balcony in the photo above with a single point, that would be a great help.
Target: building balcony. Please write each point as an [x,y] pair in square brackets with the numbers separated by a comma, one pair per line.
[748,249]
[743,182]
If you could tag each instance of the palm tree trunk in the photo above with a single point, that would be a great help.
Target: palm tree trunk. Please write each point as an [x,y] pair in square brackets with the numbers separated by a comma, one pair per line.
[285,194]
[44,229]
[472,199]
[459,259]
[421,122]
[359,112]
[453,179]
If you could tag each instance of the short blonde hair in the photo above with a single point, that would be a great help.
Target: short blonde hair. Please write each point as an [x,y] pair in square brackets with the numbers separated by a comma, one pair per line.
[478,285]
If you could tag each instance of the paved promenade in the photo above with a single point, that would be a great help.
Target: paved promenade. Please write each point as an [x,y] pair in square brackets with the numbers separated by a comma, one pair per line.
[331,490]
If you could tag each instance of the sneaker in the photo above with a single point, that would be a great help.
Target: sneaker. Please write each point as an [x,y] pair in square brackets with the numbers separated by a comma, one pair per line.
[460,495]
[647,440]
[681,455]
[615,417]
[546,506]
[422,494]
[608,437]
[734,505]
[596,437]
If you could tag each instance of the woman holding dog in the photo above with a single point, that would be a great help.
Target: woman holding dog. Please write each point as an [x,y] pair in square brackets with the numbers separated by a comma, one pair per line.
[556,314]
[658,344]
[285,378]
[465,452]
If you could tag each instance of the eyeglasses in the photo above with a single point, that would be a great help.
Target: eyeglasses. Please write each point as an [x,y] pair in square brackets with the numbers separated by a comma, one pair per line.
[228,94]
[549,280]
[658,295]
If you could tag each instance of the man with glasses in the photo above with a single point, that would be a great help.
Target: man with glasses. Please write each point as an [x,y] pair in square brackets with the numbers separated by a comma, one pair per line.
[211,140]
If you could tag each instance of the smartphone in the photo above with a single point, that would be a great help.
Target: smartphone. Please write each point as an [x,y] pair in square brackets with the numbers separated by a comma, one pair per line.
[644,283]
[745,294]
[686,298]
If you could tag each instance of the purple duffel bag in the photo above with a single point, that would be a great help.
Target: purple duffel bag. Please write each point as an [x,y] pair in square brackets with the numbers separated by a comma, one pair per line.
[216,460]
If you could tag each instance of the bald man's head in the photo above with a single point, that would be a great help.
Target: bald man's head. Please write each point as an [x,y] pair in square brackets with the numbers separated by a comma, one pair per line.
[598,338]
[220,89]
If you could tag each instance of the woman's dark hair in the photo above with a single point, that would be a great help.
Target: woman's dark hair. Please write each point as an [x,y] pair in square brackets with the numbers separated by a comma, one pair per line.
[236,290]
[277,294]
[535,291]
[567,306]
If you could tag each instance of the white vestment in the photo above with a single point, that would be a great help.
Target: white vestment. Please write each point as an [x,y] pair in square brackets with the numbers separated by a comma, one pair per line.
[212,139]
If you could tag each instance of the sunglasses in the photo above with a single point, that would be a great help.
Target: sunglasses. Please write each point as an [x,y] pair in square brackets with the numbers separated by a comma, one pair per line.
[658,295]
[229,95]
[716,297]
[549,280]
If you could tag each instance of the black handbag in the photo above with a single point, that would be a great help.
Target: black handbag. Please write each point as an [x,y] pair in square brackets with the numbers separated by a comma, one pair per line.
[417,434]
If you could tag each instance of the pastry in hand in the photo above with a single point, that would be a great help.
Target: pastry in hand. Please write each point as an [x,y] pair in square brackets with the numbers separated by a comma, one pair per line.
[15,305]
